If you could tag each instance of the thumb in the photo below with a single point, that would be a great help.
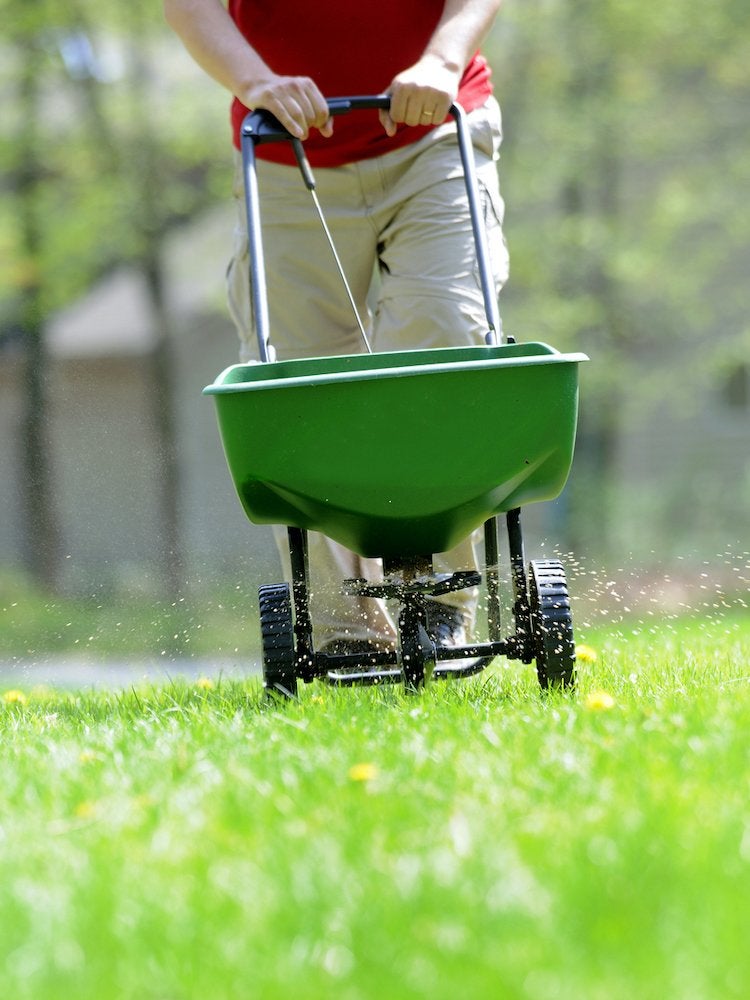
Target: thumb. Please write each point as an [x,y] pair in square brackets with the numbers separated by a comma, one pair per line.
[387,122]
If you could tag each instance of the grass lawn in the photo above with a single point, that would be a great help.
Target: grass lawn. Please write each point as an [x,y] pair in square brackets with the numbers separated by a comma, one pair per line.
[477,841]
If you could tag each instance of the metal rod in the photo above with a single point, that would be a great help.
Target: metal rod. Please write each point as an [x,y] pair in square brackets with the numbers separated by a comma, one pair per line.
[492,579]
[258,297]
[477,224]
[260,127]
[309,180]
[518,569]
[303,627]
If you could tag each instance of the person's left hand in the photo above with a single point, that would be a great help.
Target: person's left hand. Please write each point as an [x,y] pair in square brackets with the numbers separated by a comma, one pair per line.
[421,94]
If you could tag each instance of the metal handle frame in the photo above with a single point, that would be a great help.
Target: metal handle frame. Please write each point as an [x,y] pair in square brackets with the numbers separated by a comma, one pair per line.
[261,127]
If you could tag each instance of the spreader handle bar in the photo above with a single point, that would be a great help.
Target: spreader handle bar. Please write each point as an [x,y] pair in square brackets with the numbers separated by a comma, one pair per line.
[261,126]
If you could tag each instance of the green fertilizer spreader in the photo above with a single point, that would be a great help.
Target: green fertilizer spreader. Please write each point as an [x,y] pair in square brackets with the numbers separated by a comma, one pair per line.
[400,456]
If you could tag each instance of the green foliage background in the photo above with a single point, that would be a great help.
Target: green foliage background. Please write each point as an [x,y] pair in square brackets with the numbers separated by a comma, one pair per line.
[115,143]
[624,165]
[641,107]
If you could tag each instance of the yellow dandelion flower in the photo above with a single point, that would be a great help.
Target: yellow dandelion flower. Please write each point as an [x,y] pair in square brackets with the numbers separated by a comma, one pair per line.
[363,772]
[15,698]
[599,701]
[85,810]
[586,654]
[205,684]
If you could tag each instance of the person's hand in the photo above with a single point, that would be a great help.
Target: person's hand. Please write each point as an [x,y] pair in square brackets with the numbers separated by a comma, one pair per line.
[421,94]
[295,101]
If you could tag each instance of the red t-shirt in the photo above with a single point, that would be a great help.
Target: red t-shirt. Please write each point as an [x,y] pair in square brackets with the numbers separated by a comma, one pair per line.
[348,47]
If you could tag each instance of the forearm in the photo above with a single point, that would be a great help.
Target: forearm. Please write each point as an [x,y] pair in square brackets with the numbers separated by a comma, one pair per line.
[461,30]
[213,40]
[423,93]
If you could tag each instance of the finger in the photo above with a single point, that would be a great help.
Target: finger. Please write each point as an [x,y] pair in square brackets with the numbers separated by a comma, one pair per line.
[387,122]
[291,117]
[316,110]
[298,116]
[316,107]
[297,103]
[441,111]
[415,105]
[313,117]
[281,103]
[433,106]
[398,104]
[416,111]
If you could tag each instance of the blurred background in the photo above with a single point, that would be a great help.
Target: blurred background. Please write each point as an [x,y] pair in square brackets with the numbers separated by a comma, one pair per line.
[625,170]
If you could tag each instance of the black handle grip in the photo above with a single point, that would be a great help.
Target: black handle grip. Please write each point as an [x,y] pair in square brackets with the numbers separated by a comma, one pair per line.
[261,126]
[342,105]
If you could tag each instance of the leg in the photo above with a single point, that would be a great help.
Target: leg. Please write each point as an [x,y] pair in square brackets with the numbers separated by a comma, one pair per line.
[309,313]
[430,295]
[334,615]
[310,316]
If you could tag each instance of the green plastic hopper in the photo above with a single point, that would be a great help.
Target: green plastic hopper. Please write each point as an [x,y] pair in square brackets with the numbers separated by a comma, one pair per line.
[399,454]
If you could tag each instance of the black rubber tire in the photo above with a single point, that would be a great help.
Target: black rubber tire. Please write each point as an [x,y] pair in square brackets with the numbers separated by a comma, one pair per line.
[551,624]
[277,638]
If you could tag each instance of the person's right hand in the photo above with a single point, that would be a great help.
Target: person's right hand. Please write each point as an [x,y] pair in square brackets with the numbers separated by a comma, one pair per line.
[294,100]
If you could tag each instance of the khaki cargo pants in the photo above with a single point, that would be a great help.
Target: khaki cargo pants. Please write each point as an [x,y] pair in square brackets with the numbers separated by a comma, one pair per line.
[401,226]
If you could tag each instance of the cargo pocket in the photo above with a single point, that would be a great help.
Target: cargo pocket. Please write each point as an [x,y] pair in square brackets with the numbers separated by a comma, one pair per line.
[237,285]
[238,272]
[486,137]
[486,128]
[493,210]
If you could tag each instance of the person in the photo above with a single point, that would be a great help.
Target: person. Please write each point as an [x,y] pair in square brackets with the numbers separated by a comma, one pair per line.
[392,188]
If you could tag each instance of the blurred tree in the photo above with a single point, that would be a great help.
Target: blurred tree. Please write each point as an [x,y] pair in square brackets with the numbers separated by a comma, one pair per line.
[626,124]
[99,167]
[148,165]
[41,548]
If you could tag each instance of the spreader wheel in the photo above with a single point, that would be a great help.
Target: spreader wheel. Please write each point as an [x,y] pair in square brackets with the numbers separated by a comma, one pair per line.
[277,637]
[551,624]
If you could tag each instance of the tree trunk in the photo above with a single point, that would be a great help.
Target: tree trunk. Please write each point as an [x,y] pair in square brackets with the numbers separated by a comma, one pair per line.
[41,533]
[161,393]
[151,227]
[590,201]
